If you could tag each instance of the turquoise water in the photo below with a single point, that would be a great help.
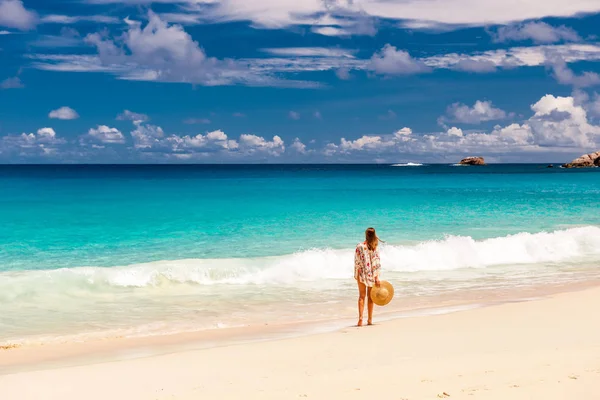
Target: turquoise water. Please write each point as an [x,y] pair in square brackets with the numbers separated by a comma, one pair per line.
[106,248]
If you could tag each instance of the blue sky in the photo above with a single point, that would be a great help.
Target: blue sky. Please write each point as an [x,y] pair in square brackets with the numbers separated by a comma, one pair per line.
[142,81]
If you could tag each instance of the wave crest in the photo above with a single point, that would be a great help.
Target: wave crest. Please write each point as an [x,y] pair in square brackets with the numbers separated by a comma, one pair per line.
[451,253]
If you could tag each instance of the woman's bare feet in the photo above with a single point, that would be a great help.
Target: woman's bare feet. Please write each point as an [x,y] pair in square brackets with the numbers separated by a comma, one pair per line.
[369,322]
[359,322]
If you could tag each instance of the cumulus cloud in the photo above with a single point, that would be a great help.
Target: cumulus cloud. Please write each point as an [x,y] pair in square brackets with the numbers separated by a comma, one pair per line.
[64,113]
[481,111]
[454,131]
[105,135]
[391,61]
[14,15]
[149,138]
[252,144]
[538,32]
[12,83]
[558,125]
[298,146]
[42,143]
[559,122]
[158,51]
[214,141]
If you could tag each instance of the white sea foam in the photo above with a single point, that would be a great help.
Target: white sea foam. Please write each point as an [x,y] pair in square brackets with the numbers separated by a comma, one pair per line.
[407,165]
[452,253]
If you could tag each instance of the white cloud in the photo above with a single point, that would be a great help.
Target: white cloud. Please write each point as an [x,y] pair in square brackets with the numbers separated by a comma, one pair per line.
[106,135]
[360,25]
[161,52]
[477,66]
[65,113]
[590,103]
[454,131]
[538,32]
[310,52]
[14,15]
[480,112]
[152,139]
[298,146]
[269,71]
[42,143]
[132,116]
[74,19]
[566,76]
[147,136]
[533,56]
[294,115]
[559,122]
[211,142]
[317,115]
[391,61]
[557,126]
[5,33]
[252,144]
[12,83]
[343,74]
[337,15]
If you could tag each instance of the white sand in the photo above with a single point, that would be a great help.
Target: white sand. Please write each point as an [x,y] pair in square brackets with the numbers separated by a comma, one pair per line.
[545,349]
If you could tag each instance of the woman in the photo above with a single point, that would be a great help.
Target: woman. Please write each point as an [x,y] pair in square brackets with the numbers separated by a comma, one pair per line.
[366,272]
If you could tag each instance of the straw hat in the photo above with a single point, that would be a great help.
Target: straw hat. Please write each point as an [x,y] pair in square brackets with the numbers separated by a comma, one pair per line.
[383,294]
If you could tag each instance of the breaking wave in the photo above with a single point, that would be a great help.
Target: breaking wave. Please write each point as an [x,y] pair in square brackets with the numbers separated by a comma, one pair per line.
[451,253]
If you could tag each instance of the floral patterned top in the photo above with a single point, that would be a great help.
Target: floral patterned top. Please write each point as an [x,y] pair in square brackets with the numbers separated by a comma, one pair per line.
[366,264]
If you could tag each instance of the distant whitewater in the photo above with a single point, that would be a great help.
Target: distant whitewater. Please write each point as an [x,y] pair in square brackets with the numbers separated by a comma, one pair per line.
[103,251]
[407,165]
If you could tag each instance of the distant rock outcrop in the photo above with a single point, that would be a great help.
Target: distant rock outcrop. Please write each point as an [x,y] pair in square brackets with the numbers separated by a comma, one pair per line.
[472,161]
[585,161]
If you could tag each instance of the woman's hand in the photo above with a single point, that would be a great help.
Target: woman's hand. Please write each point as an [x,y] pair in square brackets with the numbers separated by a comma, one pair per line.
[377,283]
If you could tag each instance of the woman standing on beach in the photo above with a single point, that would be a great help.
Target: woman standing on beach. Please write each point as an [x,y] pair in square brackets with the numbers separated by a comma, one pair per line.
[366,272]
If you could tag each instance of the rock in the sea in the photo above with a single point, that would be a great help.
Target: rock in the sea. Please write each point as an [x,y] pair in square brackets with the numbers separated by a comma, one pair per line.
[472,161]
[585,161]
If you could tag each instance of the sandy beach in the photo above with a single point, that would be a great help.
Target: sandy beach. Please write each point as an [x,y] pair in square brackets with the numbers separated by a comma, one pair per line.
[541,349]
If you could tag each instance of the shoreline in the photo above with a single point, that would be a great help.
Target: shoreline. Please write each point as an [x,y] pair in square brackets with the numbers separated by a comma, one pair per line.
[17,358]
[547,348]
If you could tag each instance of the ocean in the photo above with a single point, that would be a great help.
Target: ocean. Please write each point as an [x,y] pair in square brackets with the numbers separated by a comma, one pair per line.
[103,251]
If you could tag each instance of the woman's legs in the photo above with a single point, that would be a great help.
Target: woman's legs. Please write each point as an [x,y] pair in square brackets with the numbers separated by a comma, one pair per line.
[362,293]
[369,307]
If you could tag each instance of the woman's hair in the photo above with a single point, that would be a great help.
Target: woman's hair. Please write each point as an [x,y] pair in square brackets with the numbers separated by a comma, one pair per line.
[371,239]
